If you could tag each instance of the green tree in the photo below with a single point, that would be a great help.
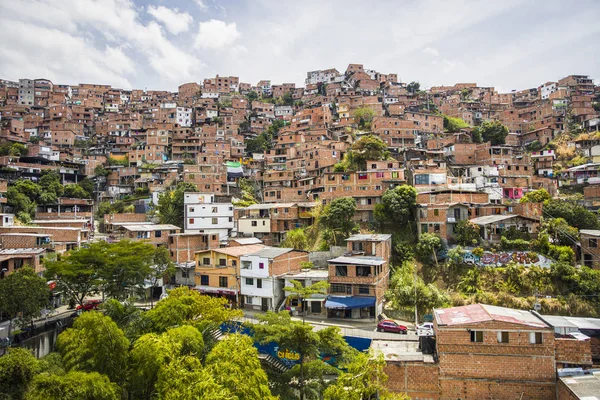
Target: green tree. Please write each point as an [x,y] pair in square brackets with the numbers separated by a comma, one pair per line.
[563,233]
[251,96]
[297,290]
[17,369]
[296,239]
[185,379]
[127,265]
[466,233]
[235,365]
[299,338]
[75,192]
[101,171]
[413,87]
[363,378]
[576,215]
[367,148]
[73,385]
[95,344]
[470,282]
[18,149]
[52,187]
[476,136]
[492,131]
[188,307]
[170,204]
[408,290]
[23,295]
[87,185]
[77,273]
[396,212]
[163,268]
[363,117]
[428,247]
[536,196]
[452,125]
[152,352]
[337,217]
[22,196]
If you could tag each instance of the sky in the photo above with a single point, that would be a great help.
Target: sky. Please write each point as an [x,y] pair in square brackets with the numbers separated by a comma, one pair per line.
[160,44]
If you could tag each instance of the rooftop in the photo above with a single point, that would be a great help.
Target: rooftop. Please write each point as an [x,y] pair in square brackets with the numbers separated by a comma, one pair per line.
[149,227]
[584,386]
[247,241]
[377,237]
[492,219]
[310,273]
[590,232]
[271,252]
[236,251]
[475,313]
[357,260]
[400,350]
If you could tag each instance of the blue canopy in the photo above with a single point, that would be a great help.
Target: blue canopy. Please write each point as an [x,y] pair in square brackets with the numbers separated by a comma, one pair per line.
[344,303]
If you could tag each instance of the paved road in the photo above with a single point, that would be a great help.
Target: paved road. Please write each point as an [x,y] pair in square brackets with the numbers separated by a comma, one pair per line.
[364,330]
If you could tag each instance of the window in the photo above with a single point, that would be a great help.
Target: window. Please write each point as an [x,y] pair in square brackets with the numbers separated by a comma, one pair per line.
[191,221]
[157,234]
[222,262]
[254,223]
[185,273]
[223,281]
[215,221]
[535,337]
[436,212]
[248,299]
[338,288]
[214,210]
[246,265]
[259,283]
[593,243]
[363,289]
[206,261]
[191,209]
[363,271]
[476,336]
[204,280]
[502,337]
[250,281]
[261,265]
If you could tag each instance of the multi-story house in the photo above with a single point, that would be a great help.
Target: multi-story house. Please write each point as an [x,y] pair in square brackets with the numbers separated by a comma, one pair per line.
[262,276]
[359,278]
[204,215]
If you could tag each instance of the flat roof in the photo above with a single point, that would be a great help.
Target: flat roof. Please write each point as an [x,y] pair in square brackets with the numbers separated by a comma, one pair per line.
[150,227]
[54,221]
[272,252]
[27,234]
[400,350]
[246,241]
[309,273]
[585,387]
[357,260]
[474,313]
[376,237]
[236,251]
[490,219]
[5,252]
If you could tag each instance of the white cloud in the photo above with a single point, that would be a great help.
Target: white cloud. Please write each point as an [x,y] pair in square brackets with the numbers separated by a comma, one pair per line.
[201,4]
[175,21]
[215,34]
[431,51]
[97,24]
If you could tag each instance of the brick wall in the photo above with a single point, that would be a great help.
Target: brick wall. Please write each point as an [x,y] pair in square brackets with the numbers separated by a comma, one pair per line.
[564,393]
[418,380]
[573,351]
[58,234]
[289,262]
[470,389]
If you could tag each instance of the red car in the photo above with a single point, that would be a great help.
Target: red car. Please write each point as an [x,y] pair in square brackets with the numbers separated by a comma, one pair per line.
[89,305]
[387,325]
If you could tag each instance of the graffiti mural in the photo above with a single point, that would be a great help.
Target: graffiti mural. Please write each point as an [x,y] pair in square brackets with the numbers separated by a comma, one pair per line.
[499,259]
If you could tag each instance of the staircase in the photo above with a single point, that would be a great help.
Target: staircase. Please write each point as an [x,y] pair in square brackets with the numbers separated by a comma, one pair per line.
[273,363]
[280,305]
[216,333]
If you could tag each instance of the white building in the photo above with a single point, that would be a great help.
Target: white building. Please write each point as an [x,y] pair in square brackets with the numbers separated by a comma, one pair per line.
[184,117]
[261,288]
[321,76]
[203,215]
[547,89]
[283,111]
[26,92]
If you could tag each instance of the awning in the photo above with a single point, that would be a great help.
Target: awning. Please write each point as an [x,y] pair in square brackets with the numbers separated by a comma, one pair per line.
[344,303]
[234,170]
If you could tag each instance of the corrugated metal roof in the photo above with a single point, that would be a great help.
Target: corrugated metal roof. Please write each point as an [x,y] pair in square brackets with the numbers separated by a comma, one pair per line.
[150,227]
[474,313]
[21,251]
[271,252]
[245,241]
[357,260]
[236,251]
[590,232]
[490,219]
[377,237]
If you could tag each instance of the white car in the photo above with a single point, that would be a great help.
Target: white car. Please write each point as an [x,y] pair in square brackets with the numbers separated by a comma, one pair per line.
[425,326]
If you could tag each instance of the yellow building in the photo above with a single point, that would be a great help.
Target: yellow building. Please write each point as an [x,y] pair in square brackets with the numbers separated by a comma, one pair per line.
[217,271]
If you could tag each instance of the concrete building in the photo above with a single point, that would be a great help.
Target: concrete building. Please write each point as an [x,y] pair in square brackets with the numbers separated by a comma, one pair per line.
[204,215]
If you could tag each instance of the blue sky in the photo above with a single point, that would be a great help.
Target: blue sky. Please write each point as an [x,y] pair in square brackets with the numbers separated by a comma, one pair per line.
[510,44]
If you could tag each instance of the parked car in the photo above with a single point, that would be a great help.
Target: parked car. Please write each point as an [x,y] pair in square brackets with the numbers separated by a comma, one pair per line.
[89,305]
[387,325]
[425,326]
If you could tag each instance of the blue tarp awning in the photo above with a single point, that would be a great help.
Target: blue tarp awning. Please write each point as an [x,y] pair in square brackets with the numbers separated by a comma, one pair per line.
[344,303]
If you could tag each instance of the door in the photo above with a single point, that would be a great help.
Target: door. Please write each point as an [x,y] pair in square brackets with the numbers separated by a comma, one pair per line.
[457,214]
[265,304]
[315,307]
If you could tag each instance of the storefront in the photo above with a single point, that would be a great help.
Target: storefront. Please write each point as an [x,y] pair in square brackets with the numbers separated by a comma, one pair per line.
[355,307]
